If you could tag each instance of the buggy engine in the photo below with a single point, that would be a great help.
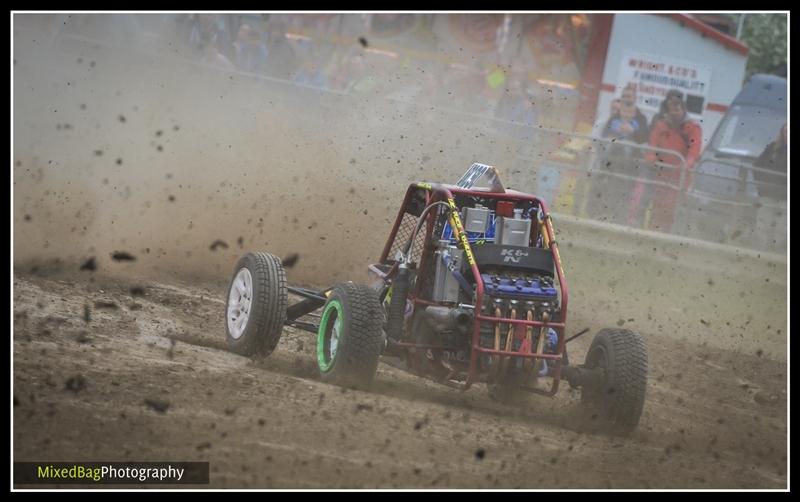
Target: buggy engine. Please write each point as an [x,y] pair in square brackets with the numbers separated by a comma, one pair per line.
[517,271]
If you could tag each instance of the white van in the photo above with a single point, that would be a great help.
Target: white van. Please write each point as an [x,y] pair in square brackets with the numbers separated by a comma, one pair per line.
[753,121]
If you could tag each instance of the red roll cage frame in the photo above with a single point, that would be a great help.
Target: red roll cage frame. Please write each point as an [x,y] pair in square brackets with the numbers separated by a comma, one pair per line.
[440,192]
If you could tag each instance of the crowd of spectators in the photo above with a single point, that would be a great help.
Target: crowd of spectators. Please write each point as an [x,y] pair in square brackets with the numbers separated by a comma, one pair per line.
[270,48]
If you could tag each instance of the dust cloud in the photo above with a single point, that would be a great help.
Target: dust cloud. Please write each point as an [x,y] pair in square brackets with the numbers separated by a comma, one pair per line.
[118,149]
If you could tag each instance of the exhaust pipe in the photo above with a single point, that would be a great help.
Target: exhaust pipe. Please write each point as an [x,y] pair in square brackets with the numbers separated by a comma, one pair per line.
[442,319]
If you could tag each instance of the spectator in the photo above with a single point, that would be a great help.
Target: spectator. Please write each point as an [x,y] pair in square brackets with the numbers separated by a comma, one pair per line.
[773,158]
[629,99]
[627,124]
[771,212]
[211,53]
[281,59]
[207,27]
[619,170]
[251,52]
[672,129]
[202,29]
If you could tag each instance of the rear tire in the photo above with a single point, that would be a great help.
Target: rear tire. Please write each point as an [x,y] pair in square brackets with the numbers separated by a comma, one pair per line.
[350,337]
[617,400]
[256,307]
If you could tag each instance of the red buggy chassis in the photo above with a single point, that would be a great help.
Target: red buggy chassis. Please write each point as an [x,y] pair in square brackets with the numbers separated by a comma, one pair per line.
[483,300]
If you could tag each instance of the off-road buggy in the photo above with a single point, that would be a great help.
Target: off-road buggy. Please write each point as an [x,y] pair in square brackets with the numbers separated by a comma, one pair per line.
[469,288]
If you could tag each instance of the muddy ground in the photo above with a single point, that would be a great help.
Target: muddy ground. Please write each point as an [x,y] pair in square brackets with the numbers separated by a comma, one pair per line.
[88,356]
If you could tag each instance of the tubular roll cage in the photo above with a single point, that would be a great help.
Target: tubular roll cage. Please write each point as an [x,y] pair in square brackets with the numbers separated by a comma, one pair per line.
[439,192]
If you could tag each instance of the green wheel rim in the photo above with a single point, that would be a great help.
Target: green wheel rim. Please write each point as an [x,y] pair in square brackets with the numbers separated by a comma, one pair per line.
[329,336]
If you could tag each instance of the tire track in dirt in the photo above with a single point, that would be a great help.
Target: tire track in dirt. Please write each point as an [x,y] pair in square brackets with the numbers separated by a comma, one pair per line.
[270,423]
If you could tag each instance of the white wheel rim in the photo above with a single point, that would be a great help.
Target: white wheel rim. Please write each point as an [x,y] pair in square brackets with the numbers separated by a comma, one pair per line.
[239,301]
[337,325]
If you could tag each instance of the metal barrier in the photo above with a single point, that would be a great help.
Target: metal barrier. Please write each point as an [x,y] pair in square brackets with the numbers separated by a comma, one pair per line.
[729,180]
[615,181]
[628,190]
[736,207]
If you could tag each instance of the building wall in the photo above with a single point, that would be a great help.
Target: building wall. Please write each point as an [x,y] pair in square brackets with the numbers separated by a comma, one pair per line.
[660,35]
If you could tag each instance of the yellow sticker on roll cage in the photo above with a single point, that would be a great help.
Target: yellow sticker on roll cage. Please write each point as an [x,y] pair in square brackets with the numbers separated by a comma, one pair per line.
[462,235]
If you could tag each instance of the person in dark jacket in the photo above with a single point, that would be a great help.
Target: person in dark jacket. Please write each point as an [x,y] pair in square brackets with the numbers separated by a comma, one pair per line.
[620,163]
[771,214]
[281,58]
[640,133]
[773,158]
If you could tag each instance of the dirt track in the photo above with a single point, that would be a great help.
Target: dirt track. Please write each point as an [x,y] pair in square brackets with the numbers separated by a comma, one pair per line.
[716,420]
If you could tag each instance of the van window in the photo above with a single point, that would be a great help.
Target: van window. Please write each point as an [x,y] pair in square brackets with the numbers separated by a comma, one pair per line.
[746,131]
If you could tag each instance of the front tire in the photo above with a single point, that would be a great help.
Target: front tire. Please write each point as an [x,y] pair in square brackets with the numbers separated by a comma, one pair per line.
[350,336]
[617,399]
[256,307]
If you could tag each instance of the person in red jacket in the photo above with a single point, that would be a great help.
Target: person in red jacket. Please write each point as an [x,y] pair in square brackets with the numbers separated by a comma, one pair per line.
[672,129]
